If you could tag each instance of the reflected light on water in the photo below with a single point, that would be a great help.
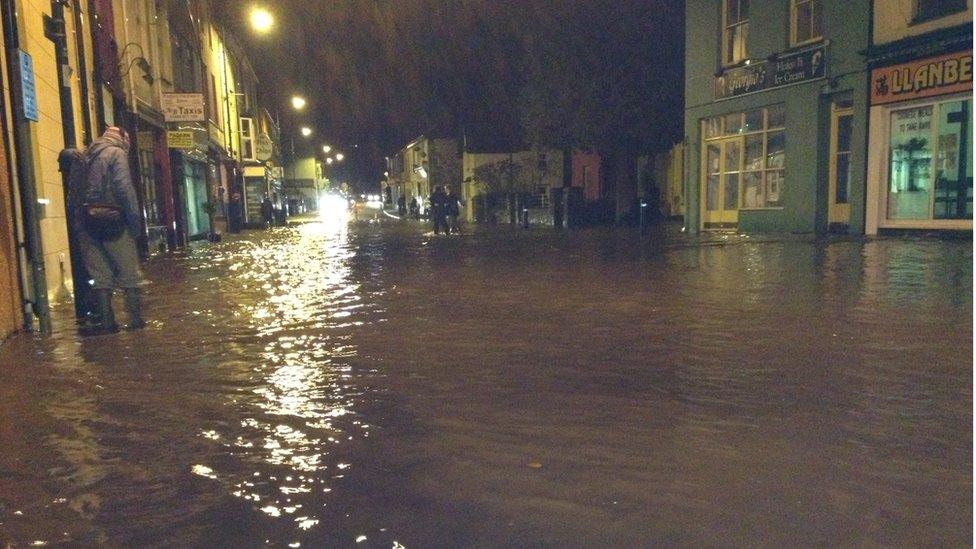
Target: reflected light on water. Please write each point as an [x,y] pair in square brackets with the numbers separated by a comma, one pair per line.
[303,407]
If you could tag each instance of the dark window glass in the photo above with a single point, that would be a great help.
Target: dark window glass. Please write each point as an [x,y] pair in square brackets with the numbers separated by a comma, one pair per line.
[932,9]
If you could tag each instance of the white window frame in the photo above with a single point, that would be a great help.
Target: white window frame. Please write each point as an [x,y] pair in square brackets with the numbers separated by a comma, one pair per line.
[247,137]
[794,24]
[765,131]
[728,57]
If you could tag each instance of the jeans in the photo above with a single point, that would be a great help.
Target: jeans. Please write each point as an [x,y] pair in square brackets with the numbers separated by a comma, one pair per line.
[111,264]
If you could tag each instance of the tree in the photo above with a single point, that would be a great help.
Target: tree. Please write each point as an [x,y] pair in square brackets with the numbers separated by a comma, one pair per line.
[609,78]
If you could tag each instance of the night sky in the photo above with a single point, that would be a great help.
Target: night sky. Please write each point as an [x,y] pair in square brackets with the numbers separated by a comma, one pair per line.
[378,73]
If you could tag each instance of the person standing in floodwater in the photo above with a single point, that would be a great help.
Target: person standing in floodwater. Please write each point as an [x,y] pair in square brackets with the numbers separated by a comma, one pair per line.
[453,211]
[402,205]
[235,213]
[267,212]
[414,208]
[109,221]
[438,210]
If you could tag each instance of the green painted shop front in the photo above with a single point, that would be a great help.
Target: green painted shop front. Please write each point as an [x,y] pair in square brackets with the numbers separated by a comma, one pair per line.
[777,142]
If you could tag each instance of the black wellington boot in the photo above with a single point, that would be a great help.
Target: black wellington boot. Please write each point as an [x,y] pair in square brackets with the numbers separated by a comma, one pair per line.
[133,307]
[103,304]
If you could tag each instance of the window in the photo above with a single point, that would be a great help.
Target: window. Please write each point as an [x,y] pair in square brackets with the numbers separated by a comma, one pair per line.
[807,21]
[745,159]
[214,111]
[247,139]
[541,197]
[842,158]
[147,177]
[926,10]
[930,170]
[735,30]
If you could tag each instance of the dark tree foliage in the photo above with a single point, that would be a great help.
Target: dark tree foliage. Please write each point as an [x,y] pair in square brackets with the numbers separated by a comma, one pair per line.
[604,74]
[502,74]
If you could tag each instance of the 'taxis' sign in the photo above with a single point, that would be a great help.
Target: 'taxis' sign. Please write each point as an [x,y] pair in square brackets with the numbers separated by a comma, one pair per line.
[182,107]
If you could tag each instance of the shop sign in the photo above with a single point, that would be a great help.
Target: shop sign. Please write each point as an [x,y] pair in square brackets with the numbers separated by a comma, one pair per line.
[182,107]
[180,140]
[922,78]
[27,87]
[264,148]
[785,70]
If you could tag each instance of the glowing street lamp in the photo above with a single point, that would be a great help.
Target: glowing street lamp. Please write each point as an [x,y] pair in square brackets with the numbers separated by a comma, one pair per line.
[326,149]
[339,157]
[298,102]
[329,160]
[261,20]
[306,131]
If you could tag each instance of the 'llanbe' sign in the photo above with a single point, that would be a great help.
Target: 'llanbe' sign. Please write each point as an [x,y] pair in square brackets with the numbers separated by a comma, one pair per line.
[785,70]
[922,78]
[182,107]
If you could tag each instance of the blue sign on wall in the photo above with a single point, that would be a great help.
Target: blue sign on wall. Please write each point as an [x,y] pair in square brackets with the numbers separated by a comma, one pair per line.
[28,90]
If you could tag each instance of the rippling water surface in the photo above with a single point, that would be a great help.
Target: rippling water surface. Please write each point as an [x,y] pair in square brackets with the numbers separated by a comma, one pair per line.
[334,384]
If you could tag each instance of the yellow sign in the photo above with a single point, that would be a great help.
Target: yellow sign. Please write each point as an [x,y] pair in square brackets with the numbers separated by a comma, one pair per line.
[180,140]
[923,78]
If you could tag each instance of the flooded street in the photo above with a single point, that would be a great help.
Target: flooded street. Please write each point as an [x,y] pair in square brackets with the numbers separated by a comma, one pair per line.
[372,384]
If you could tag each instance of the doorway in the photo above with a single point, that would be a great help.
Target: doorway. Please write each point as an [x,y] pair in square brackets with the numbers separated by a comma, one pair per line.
[839,177]
[723,171]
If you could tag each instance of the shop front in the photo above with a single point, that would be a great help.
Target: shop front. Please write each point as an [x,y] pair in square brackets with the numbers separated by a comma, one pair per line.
[188,158]
[152,179]
[920,156]
[778,148]
[256,187]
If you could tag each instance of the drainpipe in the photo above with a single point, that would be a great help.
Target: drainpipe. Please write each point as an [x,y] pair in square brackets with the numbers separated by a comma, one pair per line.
[55,30]
[82,71]
[26,176]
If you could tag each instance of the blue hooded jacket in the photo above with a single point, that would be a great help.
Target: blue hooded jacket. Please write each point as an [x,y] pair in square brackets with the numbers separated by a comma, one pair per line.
[109,180]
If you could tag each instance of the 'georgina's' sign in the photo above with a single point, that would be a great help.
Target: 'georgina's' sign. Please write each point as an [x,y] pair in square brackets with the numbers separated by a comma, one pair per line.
[785,70]
[923,78]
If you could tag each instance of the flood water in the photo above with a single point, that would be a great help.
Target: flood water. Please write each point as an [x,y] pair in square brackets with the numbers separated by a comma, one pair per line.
[371,384]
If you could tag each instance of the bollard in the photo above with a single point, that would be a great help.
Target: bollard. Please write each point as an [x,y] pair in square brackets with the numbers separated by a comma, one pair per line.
[525,218]
[643,207]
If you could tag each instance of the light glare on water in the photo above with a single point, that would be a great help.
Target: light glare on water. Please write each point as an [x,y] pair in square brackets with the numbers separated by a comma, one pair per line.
[337,384]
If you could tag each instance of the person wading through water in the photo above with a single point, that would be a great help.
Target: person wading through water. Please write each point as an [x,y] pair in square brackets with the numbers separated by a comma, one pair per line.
[438,210]
[453,211]
[106,214]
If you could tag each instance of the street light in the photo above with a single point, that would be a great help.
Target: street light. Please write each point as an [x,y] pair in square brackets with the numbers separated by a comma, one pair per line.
[329,160]
[326,149]
[261,20]
[339,157]
[298,102]
[306,131]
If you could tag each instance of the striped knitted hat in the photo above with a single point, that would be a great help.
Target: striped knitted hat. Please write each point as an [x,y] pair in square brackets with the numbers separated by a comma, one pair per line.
[118,134]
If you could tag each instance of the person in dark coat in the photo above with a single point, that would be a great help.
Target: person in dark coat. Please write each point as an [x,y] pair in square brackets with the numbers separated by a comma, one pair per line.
[235,213]
[402,206]
[267,212]
[453,211]
[414,208]
[438,210]
[112,260]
